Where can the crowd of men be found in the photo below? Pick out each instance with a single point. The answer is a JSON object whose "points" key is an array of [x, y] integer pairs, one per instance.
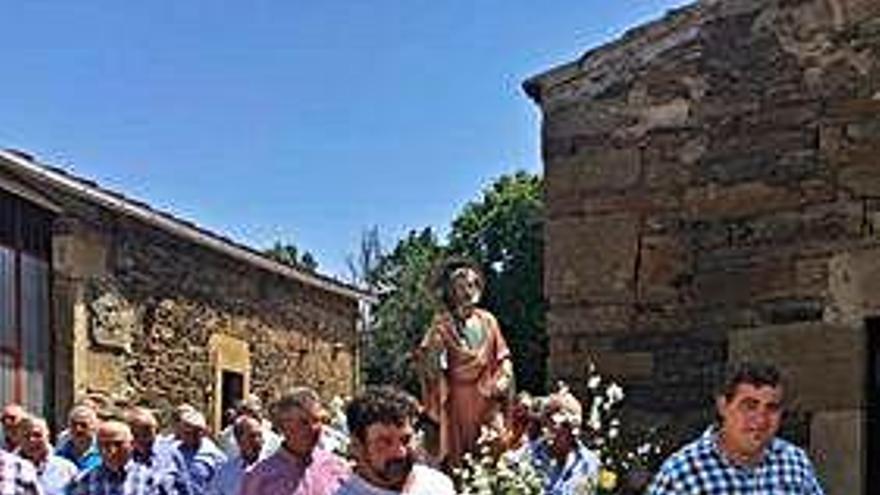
{"points": [[297, 453], [124, 453]]}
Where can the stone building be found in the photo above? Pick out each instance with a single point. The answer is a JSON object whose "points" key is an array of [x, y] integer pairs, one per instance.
{"points": [[101, 294], [713, 194]]}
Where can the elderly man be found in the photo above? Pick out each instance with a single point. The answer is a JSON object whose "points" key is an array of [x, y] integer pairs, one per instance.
{"points": [[161, 457], [17, 476], [201, 455], [569, 467], [381, 423], [248, 432], [741, 453], [250, 406], [80, 447], [54, 472], [10, 418], [297, 468], [117, 474]]}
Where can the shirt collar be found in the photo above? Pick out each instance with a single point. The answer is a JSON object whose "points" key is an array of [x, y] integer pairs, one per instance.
{"points": [[712, 439], [116, 476], [290, 457]]}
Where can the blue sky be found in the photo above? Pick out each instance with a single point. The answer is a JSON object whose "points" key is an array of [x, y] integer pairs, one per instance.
{"points": [[292, 120]]}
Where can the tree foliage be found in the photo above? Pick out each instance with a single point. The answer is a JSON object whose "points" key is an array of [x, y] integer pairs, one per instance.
{"points": [[502, 231], [405, 309], [289, 254]]}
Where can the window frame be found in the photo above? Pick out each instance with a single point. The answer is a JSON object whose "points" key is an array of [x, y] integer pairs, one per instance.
{"points": [[26, 229]]}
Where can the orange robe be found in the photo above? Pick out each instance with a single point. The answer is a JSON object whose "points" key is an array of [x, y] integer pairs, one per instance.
{"points": [[463, 397]]}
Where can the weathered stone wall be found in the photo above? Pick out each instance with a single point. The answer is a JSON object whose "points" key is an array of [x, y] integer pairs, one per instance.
{"points": [[138, 312], [705, 174], [297, 334]]}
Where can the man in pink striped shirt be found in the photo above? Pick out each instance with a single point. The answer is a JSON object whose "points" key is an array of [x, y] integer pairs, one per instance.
{"points": [[297, 467]]}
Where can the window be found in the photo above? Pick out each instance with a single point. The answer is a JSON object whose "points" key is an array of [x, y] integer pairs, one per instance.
{"points": [[25, 273]]}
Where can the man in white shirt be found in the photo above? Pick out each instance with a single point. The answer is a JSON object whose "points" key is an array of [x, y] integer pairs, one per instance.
{"points": [[251, 406], [55, 472], [249, 441], [380, 421]]}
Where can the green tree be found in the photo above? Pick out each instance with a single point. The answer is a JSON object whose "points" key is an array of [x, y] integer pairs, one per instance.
{"points": [[289, 254], [405, 309], [503, 232]]}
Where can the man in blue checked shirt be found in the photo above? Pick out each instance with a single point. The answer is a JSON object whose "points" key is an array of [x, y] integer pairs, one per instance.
{"points": [[118, 474], [159, 455], [741, 453]]}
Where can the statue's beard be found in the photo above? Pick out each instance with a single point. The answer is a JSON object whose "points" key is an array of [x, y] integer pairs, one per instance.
{"points": [[395, 472]]}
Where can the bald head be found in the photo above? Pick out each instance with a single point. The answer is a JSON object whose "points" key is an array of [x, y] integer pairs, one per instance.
{"points": [[10, 418], [249, 436], [144, 427], [35, 444], [12, 412], [115, 443]]}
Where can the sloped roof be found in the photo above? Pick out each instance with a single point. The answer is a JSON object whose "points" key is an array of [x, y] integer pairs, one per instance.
{"points": [[22, 164]]}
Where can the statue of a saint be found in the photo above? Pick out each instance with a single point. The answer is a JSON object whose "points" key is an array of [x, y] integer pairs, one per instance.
{"points": [[465, 364]]}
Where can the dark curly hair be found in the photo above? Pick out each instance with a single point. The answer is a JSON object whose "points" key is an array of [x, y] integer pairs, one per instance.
{"points": [[383, 404], [753, 373]]}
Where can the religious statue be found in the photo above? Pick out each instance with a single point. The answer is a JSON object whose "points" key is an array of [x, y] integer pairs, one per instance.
{"points": [[464, 363]]}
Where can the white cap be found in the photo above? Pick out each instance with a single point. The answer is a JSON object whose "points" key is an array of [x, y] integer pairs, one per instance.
{"points": [[194, 418]]}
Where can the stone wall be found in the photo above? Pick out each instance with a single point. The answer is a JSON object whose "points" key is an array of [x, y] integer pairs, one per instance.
{"points": [[139, 312], [705, 175]]}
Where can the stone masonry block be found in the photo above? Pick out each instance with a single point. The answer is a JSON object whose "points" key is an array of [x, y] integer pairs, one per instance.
{"points": [[590, 258], [565, 321], [823, 364], [626, 366], [836, 445], [745, 199], [598, 169], [665, 264], [854, 286]]}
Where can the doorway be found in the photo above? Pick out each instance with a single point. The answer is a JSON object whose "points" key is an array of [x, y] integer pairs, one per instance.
{"points": [[872, 406], [231, 393]]}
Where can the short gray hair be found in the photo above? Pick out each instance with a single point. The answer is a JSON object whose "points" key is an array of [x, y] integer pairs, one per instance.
{"points": [[295, 398]]}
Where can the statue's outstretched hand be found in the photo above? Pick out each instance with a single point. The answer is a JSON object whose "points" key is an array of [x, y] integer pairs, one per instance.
{"points": [[504, 380]]}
